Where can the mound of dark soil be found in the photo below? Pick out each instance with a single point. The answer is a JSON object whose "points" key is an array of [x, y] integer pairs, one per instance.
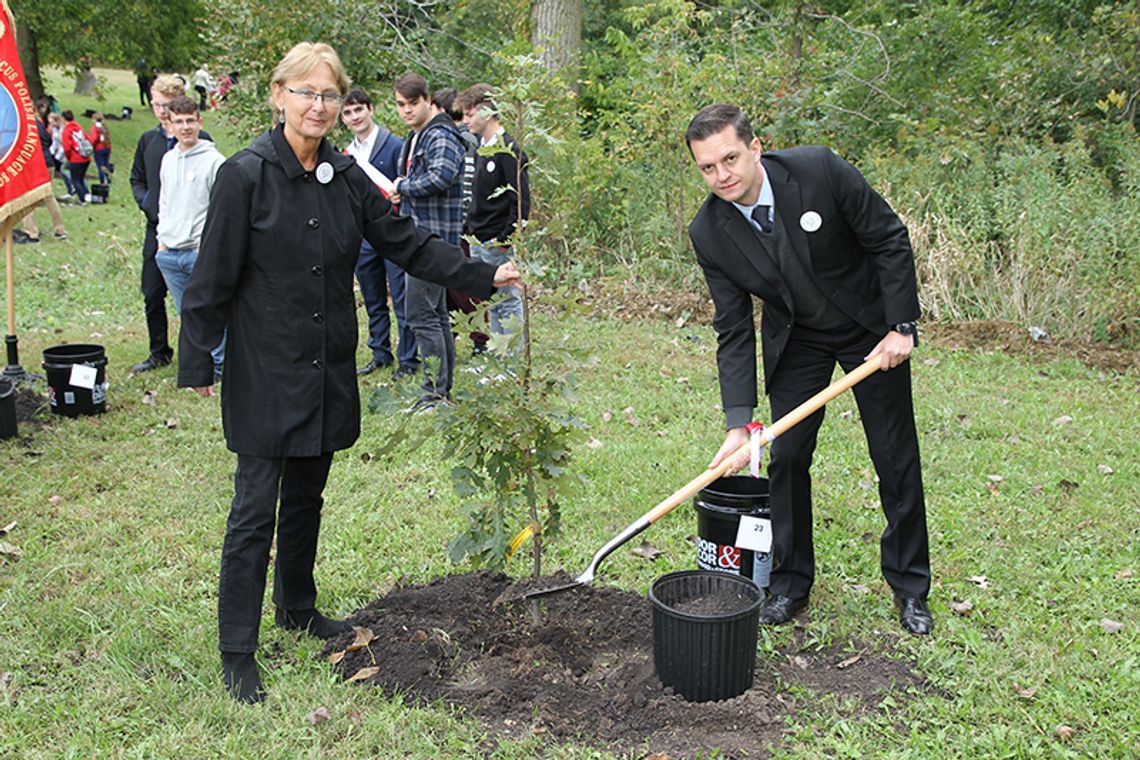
{"points": [[585, 674]]}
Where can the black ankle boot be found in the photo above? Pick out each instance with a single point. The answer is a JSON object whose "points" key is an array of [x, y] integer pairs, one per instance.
{"points": [[310, 621], [239, 672]]}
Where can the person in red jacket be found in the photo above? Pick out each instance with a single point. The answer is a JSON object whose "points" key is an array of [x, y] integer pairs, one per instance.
{"points": [[101, 140], [77, 163]]}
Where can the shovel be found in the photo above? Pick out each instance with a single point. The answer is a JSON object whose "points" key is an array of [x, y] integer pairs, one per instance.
{"points": [[785, 423]]}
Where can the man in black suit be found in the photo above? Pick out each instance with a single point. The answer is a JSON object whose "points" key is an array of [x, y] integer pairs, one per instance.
{"points": [[803, 230]]}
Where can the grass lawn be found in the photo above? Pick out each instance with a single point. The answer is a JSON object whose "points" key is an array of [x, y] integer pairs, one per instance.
{"points": [[108, 619]]}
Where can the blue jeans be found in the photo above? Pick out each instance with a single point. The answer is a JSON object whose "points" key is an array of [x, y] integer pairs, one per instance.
{"points": [[78, 172], [508, 304], [176, 264], [103, 163], [378, 277]]}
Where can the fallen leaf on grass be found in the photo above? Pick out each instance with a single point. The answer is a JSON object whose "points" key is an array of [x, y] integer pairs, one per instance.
{"points": [[1065, 732], [356, 715], [1104, 469], [420, 636], [8, 528], [962, 608], [364, 637], [1123, 574], [1111, 626], [318, 716], [849, 661], [1064, 419], [679, 322], [931, 362], [658, 756], [364, 674], [594, 443], [607, 416], [150, 398], [682, 380], [8, 688], [800, 662], [1068, 486], [859, 588], [540, 730], [630, 418], [1037, 490], [847, 415], [1023, 692], [7, 551], [647, 550], [55, 500], [980, 581], [336, 657]]}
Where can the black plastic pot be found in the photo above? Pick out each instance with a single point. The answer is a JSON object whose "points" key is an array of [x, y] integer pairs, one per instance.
{"points": [[704, 633], [8, 426]]}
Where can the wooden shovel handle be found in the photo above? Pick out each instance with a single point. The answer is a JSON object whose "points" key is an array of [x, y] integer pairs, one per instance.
{"points": [[779, 427]]}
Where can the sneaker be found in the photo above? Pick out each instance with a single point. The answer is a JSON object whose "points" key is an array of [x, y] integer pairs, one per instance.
{"points": [[59, 235], [19, 237]]}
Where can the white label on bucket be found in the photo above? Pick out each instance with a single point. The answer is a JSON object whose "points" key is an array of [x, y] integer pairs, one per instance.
{"points": [[754, 533], [83, 376]]}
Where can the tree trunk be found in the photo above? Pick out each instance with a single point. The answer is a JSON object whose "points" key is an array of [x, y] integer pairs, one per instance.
{"points": [[556, 27], [30, 58]]}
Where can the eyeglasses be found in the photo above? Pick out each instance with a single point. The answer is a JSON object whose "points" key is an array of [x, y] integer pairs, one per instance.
{"points": [[334, 99]]}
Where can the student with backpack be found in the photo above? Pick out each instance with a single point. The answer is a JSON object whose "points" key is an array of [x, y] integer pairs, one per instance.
{"points": [[101, 141], [77, 148]]}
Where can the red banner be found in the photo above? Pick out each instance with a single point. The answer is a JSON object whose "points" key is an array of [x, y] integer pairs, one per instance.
{"points": [[24, 178]]}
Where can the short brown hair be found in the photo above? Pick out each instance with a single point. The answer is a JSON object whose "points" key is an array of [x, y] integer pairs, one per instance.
{"points": [[168, 86], [711, 120], [477, 95], [444, 100], [412, 86], [183, 105]]}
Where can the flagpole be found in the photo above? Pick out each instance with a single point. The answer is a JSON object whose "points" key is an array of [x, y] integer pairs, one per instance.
{"points": [[13, 369]]}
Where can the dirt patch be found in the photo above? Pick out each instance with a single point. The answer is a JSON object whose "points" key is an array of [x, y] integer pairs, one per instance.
{"points": [[585, 675]]}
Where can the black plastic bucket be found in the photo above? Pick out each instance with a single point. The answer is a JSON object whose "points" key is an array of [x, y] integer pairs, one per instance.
{"points": [[719, 507], [73, 400], [7, 408], [704, 633]]}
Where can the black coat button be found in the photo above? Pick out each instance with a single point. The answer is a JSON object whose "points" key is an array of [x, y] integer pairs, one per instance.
{"points": [[314, 223], [317, 364], [317, 271], [308, 176], [318, 317]]}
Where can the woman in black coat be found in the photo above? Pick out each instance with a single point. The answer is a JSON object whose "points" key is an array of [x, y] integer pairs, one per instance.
{"points": [[276, 264]]}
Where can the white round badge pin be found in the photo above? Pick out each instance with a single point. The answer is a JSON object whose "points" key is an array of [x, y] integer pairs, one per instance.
{"points": [[491, 165], [324, 173], [810, 221]]}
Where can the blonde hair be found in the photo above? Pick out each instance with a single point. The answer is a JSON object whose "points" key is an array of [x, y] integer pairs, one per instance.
{"points": [[168, 86], [303, 58]]}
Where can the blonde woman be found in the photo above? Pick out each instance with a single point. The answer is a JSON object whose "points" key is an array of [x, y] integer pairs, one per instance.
{"points": [[286, 220]]}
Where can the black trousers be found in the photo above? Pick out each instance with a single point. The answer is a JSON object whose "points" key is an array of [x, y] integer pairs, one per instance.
{"points": [[259, 483], [886, 408], [154, 298]]}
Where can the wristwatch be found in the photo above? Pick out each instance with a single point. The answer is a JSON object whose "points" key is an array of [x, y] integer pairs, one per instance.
{"points": [[907, 328]]}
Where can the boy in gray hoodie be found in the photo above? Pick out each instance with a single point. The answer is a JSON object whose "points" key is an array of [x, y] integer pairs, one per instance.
{"points": [[187, 179]]}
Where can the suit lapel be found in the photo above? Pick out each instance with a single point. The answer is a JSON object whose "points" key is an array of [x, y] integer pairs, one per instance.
{"points": [[789, 209], [740, 232]]}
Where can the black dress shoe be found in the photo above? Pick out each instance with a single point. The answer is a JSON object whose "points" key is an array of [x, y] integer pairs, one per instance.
{"points": [[151, 362], [310, 621], [779, 609], [915, 615], [372, 366], [405, 370]]}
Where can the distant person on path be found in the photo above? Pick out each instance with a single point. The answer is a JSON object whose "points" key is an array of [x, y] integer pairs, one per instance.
{"points": [[30, 228], [279, 251], [78, 150], [142, 77], [203, 84], [101, 141], [145, 184], [494, 215], [187, 180], [375, 146], [430, 187], [803, 230]]}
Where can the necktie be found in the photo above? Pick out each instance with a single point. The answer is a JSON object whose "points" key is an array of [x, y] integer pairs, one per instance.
{"points": [[761, 215]]}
